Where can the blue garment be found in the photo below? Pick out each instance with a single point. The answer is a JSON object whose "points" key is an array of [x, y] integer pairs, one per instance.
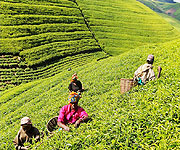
{"points": [[140, 82], [59, 129]]}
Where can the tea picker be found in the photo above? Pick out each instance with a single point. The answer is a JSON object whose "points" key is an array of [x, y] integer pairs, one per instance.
{"points": [[142, 75], [145, 72], [72, 113], [26, 133], [75, 85]]}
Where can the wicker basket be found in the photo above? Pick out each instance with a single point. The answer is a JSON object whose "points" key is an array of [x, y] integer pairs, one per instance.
{"points": [[52, 124], [126, 85]]}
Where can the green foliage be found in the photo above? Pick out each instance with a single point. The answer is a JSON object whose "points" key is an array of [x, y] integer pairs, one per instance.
{"points": [[147, 117], [34, 29], [41, 31], [7, 20], [17, 8], [64, 3], [15, 45], [163, 7], [125, 24], [144, 118], [174, 22], [28, 30], [59, 49], [14, 76]]}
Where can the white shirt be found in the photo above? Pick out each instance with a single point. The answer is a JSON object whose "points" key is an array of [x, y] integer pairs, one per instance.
{"points": [[145, 72]]}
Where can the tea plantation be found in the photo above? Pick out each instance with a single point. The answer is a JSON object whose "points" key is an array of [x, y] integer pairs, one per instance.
{"points": [[41, 38], [147, 117], [43, 42], [123, 25], [174, 22]]}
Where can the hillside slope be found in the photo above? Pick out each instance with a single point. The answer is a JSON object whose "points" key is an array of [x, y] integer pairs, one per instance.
{"points": [[41, 38], [123, 25], [43, 31], [172, 9], [146, 117], [174, 22]]}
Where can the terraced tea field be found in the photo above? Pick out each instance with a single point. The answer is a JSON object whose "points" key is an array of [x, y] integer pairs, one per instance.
{"points": [[36, 35], [147, 117], [174, 22], [42, 38], [14, 72], [40, 32], [43, 42], [123, 25]]}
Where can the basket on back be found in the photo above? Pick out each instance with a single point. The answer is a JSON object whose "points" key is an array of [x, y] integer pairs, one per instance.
{"points": [[126, 85], [52, 124]]}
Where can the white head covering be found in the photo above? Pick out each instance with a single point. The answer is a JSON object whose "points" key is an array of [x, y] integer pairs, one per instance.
{"points": [[25, 120], [150, 58]]}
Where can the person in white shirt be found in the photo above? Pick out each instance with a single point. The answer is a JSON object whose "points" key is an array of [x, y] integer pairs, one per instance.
{"points": [[145, 72]]}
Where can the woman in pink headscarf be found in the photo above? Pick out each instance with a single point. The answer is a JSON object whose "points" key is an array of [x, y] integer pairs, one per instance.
{"points": [[72, 113]]}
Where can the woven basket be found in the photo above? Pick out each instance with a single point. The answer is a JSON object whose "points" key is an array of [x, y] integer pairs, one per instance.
{"points": [[52, 124], [126, 85]]}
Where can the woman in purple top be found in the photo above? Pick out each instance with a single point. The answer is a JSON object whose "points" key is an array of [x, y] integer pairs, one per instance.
{"points": [[72, 113]]}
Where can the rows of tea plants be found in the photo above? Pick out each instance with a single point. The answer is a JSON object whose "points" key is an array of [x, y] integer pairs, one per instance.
{"points": [[58, 49], [41, 31], [62, 3], [15, 45], [48, 35], [147, 117], [14, 75], [27, 30], [26, 9], [174, 22], [121, 21], [7, 63], [8, 20], [28, 25], [159, 6]]}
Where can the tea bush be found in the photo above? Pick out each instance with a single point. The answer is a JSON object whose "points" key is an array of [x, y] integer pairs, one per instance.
{"points": [[147, 117], [14, 76], [21, 31], [62, 3], [29, 24], [121, 22], [43, 34]]}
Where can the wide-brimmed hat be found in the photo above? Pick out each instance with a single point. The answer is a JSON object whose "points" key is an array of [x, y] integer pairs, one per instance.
{"points": [[25, 120], [73, 97], [150, 58]]}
